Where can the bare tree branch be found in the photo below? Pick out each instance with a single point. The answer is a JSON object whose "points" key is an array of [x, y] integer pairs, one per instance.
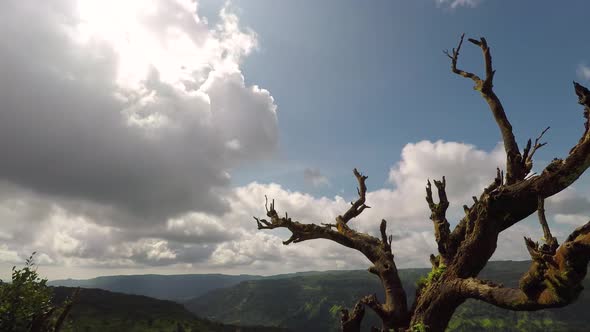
{"points": [[454, 56], [527, 155], [514, 171], [438, 216], [552, 280], [550, 240], [386, 240], [302, 232], [583, 99], [558, 175], [359, 205], [372, 302], [351, 321], [394, 311]]}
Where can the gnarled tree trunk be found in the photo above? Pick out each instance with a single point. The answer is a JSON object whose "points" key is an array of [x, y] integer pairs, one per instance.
{"points": [[555, 275]]}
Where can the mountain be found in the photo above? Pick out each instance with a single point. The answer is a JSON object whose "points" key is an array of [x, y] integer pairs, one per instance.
{"points": [[179, 287], [165, 287], [311, 302], [301, 303], [97, 310]]}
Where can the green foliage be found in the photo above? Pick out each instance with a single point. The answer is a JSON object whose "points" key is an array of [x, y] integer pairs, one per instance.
{"points": [[419, 327], [421, 282], [433, 275], [23, 299], [335, 310]]}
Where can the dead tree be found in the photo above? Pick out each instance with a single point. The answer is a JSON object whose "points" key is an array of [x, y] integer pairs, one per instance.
{"points": [[555, 276]]}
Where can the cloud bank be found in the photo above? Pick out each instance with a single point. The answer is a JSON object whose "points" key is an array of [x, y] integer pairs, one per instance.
{"points": [[117, 150], [118, 118], [149, 135]]}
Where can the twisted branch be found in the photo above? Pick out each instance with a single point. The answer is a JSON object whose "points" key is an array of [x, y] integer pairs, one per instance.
{"points": [[558, 175], [552, 281], [514, 171], [394, 311], [302, 232]]}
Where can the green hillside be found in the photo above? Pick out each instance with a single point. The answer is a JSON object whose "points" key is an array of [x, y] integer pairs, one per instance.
{"points": [[165, 287], [300, 303], [307, 301], [175, 287], [310, 302], [98, 310]]}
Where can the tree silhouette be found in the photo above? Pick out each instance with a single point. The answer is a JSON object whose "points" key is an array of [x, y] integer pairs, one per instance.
{"points": [[556, 272]]}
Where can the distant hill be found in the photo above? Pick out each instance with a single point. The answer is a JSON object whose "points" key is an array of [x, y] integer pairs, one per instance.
{"points": [[301, 303], [98, 310], [179, 287], [310, 302], [165, 287]]}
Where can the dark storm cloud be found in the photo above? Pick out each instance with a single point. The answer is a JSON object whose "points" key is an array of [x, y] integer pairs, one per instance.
{"points": [[65, 133]]}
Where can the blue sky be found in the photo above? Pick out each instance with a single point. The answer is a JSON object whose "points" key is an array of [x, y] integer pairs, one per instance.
{"points": [[142, 136], [355, 81]]}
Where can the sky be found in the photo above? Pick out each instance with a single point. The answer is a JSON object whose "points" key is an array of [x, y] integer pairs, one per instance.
{"points": [[141, 136]]}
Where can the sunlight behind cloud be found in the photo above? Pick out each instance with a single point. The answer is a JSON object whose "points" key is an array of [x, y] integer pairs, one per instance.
{"points": [[181, 53], [117, 23], [141, 114]]}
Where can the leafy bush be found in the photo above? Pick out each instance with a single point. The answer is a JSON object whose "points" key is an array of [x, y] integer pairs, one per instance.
{"points": [[25, 302]]}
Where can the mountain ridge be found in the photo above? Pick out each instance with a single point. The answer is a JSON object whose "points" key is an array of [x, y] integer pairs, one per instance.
{"points": [[183, 287], [311, 303], [98, 310]]}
